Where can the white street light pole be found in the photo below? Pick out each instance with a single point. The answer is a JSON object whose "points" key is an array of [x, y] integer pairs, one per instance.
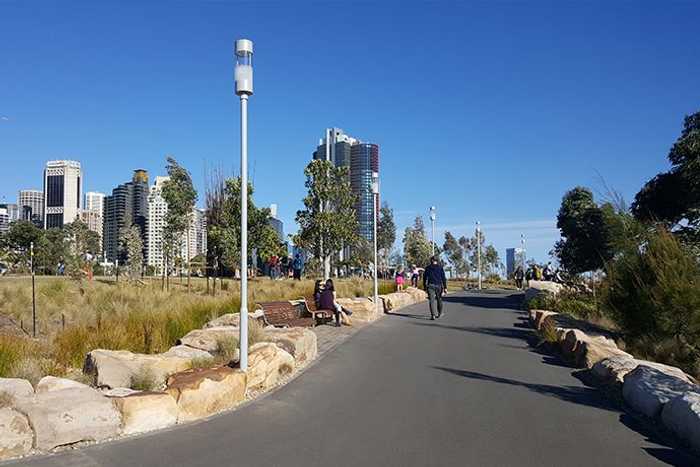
{"points": [[522, 250], [375, 199], [478, 250], [243, 77], [432, 220]]}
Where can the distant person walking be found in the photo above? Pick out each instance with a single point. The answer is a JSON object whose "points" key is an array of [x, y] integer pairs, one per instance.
{"points": [[519, 275], [399, 280], [415, 274], [435, 283], [297, 266]]}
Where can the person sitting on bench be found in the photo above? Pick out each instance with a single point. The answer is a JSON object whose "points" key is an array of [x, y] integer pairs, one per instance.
{"points": [[327, 301]]}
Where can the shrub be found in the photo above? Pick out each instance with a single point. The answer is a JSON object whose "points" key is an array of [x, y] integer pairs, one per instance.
{"points": [[653, 293]]}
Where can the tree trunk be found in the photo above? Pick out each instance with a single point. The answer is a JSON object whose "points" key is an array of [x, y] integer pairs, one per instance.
{"points": [[188, 259]]}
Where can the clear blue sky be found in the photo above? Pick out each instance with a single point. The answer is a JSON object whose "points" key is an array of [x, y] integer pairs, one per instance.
{"points": [[489, 110]]}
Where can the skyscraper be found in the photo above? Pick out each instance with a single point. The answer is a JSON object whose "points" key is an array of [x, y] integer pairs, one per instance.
{"points": [[94, 201], [200, 226], [31, 206], [157, 209], [126, 206], [62, 193], [362, 159]]}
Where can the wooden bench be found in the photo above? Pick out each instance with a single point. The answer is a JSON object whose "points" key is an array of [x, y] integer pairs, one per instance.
{"points": [[318, 315]]}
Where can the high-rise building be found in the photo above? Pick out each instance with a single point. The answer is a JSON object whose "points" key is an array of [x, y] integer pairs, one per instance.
{"points": [[200, 223], [157, 209], [514, 258], [62, 193], [4, 218], [94, 201], [362, 159], [276, 223], [126, 206], [31, 206]]}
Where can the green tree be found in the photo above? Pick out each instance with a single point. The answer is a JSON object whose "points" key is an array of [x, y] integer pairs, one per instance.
{"points": [[454, 251], [181, 197], [674, 196], [132, 248], [83, 245], [386, 233], [53, 249], [224, 233], [416, 246], [17, 240], [328, 222], [587, 239]]}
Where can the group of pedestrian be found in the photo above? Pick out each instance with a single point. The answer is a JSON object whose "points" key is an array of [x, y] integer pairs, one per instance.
{"points": [[434, 283], [413, 275], [537, 273], [284, 267], [325, 298]]}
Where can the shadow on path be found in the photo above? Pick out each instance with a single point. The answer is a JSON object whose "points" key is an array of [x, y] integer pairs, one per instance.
{"points": [[407, 315], [576, 395], [504, 302]]}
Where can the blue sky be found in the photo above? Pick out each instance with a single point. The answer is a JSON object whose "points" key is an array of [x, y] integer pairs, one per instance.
{"points": [[489, 110]]}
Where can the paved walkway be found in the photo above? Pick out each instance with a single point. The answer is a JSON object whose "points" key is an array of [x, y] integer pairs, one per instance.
{"points": [[466, 390]]}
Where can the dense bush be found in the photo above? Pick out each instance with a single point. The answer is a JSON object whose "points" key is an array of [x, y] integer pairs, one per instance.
{"points": [[653, 292], [578, 304]]}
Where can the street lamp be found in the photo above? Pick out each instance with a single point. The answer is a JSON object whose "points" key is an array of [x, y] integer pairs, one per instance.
{"points": [[432, 221], [522, 250], [375, 201], [478, 250], [243, 77]]}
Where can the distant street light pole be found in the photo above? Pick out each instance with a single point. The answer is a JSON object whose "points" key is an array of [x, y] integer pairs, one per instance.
{"points": [[522, 250], [375, 199], [432, 239], [31, 265], [478, 250], [243, 76]]}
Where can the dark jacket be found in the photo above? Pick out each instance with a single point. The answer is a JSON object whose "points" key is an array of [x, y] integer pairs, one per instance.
{"points": [[326, 300], [434, 275]]}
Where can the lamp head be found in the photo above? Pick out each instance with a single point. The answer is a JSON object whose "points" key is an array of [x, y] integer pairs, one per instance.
{"points": [[243, 72]]}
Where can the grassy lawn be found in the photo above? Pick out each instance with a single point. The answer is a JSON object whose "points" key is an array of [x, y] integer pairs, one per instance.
{"points": [[74, 318]]}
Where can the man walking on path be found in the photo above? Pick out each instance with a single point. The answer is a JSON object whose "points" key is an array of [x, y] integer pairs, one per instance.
{"points": [[435, 283]]}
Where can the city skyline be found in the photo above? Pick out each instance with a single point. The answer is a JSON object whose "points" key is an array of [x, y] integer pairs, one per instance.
{"points": [[512, 117]]}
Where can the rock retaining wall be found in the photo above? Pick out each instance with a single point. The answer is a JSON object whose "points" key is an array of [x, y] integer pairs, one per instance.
{"points": [[62, 412], [661, 392]]}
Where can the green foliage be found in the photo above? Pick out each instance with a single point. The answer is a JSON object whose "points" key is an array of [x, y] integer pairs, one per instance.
{"points": [[144, 380], [328, 222], [587, 237], [416, 246], [132, 248], [455, 254], [673, 196], [386, 232], [653, 292], [224, 229], [179, 193]]}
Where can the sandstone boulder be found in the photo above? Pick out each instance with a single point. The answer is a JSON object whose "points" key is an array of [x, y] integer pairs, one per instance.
{"points": [[539, 287], [418, 295], [612, 370], [203, 392], [363, 309], [145, 411], [396, 300], [541, 316], [208, 339], [15, 387], [300, 343], [267, 363], [52, 383], [593, 350], [234, 319], [648, 389], [16, 436], [119, 368], [68, 416], [681, 415]]}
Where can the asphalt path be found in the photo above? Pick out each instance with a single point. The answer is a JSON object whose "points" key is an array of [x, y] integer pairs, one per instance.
{"points": [[465, 390]]}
